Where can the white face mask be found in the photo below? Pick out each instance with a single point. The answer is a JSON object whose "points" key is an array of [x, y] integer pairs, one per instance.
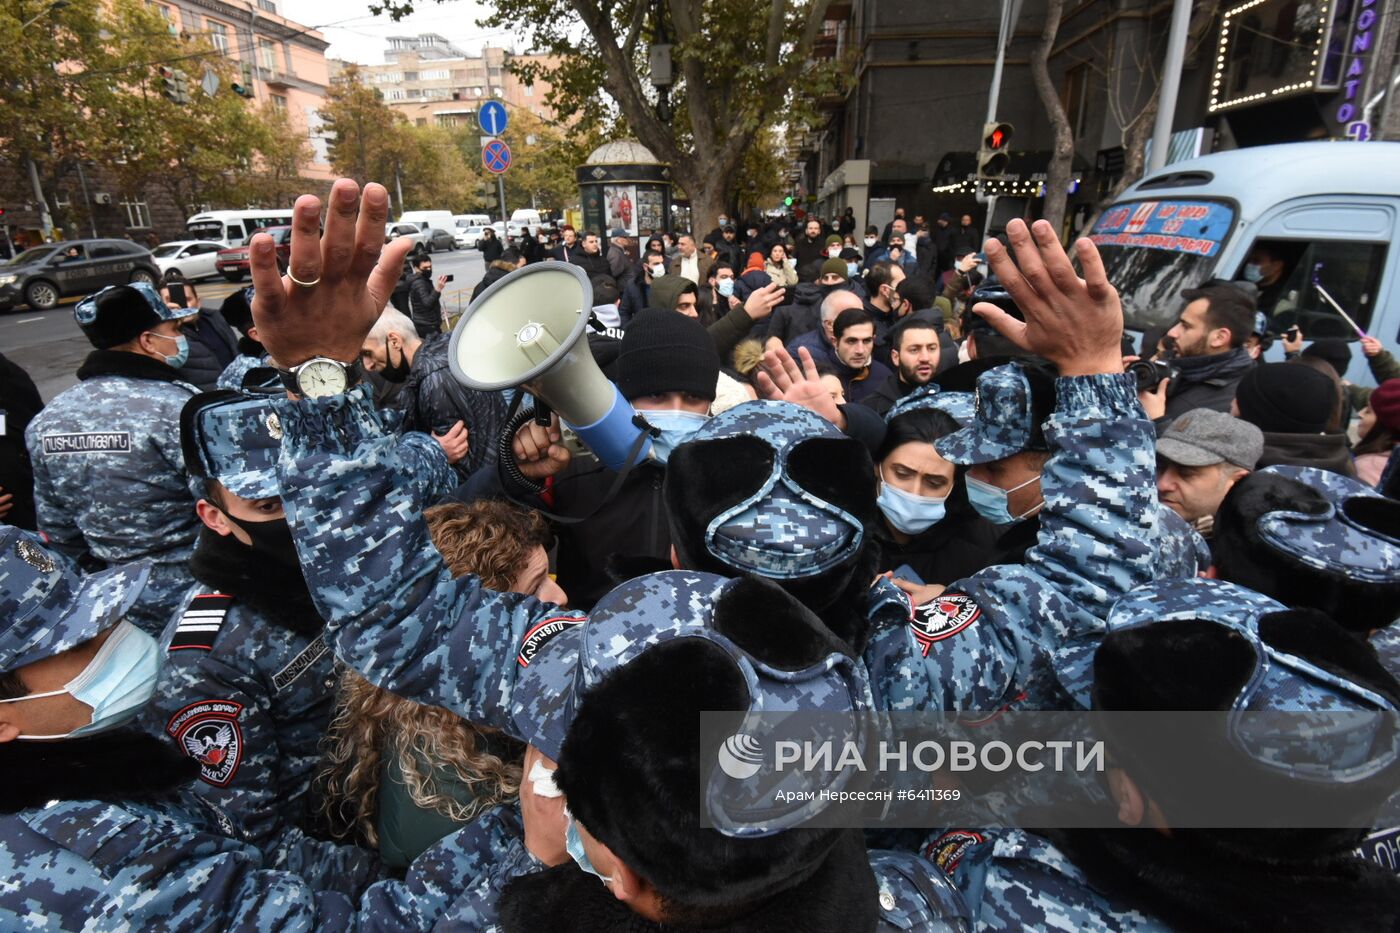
{"points": [[870, 241], [116, 683]]}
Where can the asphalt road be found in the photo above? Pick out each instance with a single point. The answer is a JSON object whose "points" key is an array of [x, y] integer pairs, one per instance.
{"points": [[50, 347]]}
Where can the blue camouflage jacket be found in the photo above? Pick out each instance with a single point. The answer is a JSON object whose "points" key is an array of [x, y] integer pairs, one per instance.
{"points": [[978, 645], [171, 864], [109, 475], [1013, 880], [250, 701]]}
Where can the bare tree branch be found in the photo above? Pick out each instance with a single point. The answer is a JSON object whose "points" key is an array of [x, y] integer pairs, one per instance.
{"points": [[639, 15], [1062, 156]]}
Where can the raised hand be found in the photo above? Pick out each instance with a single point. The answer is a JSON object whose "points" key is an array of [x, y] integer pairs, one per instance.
{"points": [[539, 451], [347, 275], [783, 380], [761, 303], [1075, 323]]}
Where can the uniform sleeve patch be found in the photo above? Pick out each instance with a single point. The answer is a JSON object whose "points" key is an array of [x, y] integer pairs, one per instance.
{"points": [[104, 442], [942, 617], [199, 626], [948, 849], [208, 732], [537, 637]]}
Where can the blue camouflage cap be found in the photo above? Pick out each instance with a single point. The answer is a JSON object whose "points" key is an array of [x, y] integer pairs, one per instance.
{"points": [[660, 608], [233, 438], [784, 529], [85, 312], [1003, 422], [960, 406], [1356, 536], [47, 607], [1334, 748]]}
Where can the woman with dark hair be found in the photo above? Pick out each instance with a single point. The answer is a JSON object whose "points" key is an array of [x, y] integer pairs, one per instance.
{"points": [[1379, 431], [654, 247], [398, 776], [927, 523]]}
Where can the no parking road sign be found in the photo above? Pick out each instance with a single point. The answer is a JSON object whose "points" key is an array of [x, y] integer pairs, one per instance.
{"points": [[495, 155]]}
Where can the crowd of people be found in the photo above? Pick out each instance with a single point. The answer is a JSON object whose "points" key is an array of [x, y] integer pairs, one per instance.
{"points": [[324, 638]]}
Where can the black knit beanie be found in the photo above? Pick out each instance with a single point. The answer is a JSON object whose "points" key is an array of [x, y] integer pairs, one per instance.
{"points": [[1285, 398], [666, 351]]}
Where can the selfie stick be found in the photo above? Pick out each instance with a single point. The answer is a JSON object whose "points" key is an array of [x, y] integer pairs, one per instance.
{"points": [[1317, 284]]}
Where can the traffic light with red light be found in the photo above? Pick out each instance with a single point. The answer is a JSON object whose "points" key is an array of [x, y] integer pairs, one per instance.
{"points": [[994, 155]]}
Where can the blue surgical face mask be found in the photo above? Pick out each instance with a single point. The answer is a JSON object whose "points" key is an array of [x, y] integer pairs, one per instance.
{"points": [[1253, 272], [676, 428], [182, 350], [573, 844], [907, 512], [116, 683], [992, 502], [725, 287], [851, 269]]}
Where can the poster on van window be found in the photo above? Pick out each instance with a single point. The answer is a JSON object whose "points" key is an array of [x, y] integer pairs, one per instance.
{"points": [[621, 207], [1195, 227]]}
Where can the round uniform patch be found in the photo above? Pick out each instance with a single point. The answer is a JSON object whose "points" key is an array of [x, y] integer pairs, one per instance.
{"points": [[941, 618], [537, 637], [208, 732], [948, 849]]}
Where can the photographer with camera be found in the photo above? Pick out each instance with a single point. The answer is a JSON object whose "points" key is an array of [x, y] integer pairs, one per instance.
{"points": [[1210, 358]]}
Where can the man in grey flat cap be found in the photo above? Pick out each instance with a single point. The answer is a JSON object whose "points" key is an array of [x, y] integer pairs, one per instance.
{"points": [[1202, 455]]}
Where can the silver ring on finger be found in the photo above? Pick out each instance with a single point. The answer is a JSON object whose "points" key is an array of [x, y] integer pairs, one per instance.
{"points": [[297, 281]]}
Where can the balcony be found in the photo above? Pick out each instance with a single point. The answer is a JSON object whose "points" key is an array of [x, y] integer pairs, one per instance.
{"points": [[824, 46], [274, 78]]}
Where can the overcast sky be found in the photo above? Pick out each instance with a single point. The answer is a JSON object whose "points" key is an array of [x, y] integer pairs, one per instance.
{"points": [[358, 36]]}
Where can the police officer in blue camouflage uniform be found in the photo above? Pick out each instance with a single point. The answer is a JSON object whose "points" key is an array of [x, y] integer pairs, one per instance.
{"points": [[247, 683], [1261, 657], [109, 480], [99, 828]]}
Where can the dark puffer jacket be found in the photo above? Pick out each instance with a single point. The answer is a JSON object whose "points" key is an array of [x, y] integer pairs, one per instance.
{"points": [[432, 400]]}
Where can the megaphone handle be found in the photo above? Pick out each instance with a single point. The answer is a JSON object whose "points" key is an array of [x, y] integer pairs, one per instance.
{"points": [[543, 413]]}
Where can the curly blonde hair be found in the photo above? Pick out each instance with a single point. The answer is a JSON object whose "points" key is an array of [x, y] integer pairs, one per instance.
{"points": [[494, 541]]}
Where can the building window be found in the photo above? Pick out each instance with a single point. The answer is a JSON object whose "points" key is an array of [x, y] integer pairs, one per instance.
{"points": [[410, 76], [394, 94], [267, 55], [389, 77], [279, 101], [267, 6], [218, 36], [529, 90], [138, 213], [439, 74]]}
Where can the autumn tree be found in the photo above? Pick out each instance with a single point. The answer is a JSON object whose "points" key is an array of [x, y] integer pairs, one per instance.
{"points": [[45, 109], [738, 67]]}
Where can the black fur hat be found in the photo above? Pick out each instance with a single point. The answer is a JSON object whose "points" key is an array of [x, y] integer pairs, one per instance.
{"points": [[630, 763], [1245, 553]]}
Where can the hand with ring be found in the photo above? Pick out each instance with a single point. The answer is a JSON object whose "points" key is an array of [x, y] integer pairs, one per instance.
{"points": [[337, 282]]}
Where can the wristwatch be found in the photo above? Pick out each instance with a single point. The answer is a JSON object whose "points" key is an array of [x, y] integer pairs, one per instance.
{"points": [[320, 376]]}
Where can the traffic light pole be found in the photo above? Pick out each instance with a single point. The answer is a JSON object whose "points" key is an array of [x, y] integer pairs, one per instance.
{"points": [[1171, 83], [1010, 12], [45, 218], [501, 193]]}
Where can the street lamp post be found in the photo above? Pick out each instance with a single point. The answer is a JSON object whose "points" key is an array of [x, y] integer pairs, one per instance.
{"points": [[45, 219]]}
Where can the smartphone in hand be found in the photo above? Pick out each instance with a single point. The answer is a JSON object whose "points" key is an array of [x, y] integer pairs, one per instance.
{"points": [[451, 277]]}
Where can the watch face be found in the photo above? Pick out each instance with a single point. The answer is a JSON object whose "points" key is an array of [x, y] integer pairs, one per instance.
{"points": [[320, 378]]}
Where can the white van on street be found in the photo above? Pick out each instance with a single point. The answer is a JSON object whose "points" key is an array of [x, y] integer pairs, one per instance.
{"points": [[427, 220], [1326, 213]]}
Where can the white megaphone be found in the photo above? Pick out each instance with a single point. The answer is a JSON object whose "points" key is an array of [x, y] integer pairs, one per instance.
{"points": [[527, 330]]}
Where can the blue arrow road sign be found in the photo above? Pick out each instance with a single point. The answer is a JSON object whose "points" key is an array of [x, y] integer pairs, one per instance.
{"points": [[492, 118], [495, 155]]}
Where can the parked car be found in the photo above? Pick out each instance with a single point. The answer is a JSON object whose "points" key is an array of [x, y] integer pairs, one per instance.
{"points": [[400, 230], [193, 259], [440, 239], [40, 276], [232, 263], [468, 237]]}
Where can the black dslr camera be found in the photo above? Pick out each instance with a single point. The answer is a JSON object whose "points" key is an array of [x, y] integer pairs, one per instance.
{"points": [[1148, 374]]}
